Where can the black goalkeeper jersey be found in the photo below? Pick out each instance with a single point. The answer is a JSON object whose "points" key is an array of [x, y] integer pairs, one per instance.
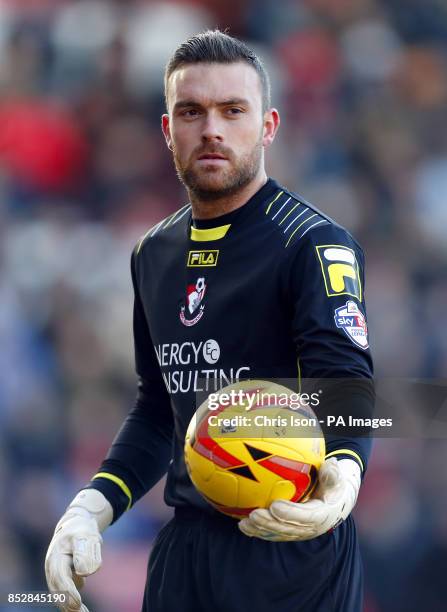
{"points": [[272, 290]]}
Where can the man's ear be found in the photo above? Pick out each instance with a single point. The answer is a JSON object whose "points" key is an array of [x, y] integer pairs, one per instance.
{"points": [[271, 125], [166, 130]]}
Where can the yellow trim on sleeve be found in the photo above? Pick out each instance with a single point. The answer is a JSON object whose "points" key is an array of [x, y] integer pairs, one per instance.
{"points": [[122, 485], [272, 202], [347, 451], [212, 233]]}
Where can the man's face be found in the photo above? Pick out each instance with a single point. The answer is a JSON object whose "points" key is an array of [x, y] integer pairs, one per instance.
{"points": [[215, 127]]}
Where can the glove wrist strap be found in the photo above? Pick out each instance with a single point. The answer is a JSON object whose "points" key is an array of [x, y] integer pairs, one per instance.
{"points": [[92, 503]]}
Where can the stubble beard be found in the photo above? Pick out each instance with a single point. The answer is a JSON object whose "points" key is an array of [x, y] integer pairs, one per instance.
{"points": [[208, 184]]}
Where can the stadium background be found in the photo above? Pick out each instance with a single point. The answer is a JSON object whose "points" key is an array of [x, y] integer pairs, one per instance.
{"points": [[362, 88]]}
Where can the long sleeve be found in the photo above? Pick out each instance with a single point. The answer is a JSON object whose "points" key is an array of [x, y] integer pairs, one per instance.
{"points": [[326, 282], [142, 449]]}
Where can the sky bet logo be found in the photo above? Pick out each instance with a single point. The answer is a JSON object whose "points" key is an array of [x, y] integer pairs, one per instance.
{"points": [[202, 259], [352, 321]]}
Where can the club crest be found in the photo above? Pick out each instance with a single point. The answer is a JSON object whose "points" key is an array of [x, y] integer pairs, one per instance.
{"points": [[193, 307]]}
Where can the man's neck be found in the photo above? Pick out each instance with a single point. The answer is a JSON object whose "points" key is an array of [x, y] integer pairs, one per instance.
{"points": [[221, 206]]}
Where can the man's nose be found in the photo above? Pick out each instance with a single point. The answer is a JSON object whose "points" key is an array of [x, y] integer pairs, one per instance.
{"points": [[212, 128]]}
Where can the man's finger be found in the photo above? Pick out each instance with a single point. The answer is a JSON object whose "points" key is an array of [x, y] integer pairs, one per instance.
{"points": [[78, 580], [86, 555], [59, 574], [329, 475], [59, 578], [263, 519], [306, 514], [250, 530]]}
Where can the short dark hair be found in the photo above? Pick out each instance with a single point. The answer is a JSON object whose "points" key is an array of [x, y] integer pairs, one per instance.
{"points": [[215, 46]]}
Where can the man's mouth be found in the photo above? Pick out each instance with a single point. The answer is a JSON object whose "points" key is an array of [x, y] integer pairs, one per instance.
{"points": [[212, 156]]}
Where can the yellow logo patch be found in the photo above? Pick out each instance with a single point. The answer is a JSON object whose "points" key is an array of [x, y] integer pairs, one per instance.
{"points": [[340, 270], [202, 259]]}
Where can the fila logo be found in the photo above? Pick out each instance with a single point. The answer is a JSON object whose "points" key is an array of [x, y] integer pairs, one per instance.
{"points": [[340, 270], [202, 259]]}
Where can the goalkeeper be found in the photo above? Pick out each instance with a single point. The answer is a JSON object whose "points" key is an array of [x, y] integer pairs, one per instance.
{"points": [[245, 281]]}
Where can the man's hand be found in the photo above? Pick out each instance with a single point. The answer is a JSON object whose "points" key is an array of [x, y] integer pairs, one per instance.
{"points": [[334, 498], [75, 550]]}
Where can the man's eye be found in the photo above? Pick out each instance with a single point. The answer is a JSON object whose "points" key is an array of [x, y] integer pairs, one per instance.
{"points": [[234, 111], [191, 112]]}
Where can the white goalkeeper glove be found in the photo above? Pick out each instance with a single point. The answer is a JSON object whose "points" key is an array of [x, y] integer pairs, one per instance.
{"points": [[332, 502], [75, 550]]}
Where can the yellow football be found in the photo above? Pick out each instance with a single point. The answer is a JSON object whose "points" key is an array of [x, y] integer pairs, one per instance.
{"points": [[251, 443]]}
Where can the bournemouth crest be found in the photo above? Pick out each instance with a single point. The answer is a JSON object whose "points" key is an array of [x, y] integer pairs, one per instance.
{"points": [[192, 312], [352, 321]]}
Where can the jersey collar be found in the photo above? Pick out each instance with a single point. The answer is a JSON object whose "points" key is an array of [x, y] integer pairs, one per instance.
{"points": [[208, 230]]}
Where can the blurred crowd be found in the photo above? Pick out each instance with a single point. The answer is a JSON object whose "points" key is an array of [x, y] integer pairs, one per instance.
{"points": [[362, 90]]}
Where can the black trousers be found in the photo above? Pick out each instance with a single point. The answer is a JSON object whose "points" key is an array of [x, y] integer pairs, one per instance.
{"points": [[202, 563]]}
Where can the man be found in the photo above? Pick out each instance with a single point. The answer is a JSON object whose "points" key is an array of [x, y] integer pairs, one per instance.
{"points": [[246, 281]]}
